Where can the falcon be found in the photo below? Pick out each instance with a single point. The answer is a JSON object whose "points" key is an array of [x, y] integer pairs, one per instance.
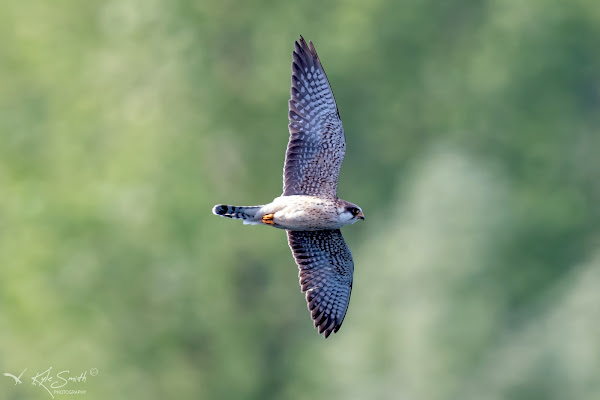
{"points": [[309, 209]]}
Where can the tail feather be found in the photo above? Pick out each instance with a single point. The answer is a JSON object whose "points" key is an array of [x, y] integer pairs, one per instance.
{"points": [[247, 213]]}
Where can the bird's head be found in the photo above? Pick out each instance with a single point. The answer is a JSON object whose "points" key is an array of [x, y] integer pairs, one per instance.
{"points": [[349, 213]]}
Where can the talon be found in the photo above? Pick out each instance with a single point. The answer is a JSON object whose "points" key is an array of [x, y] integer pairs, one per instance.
{"points": [[268, 219]]}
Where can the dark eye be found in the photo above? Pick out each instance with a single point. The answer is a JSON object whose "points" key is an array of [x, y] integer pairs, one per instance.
{"points": [[354, 211]]}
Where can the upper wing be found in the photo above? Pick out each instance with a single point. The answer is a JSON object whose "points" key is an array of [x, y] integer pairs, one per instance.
{"points": [[317, 145], [326, 269]]}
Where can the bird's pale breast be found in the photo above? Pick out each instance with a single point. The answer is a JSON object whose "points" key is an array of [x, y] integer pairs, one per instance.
{"points": [[303, 213]]}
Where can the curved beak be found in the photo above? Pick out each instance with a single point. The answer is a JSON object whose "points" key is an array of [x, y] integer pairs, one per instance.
{"points": [[361, 216]]}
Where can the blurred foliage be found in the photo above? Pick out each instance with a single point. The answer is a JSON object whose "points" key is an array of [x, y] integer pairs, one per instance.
{"points": [[473, 130]]}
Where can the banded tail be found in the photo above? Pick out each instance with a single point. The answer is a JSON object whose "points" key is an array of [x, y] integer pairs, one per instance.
{"points": [[247, 213]]}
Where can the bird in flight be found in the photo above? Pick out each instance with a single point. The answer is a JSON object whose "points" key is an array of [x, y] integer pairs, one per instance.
{"points": [[309, 209]]}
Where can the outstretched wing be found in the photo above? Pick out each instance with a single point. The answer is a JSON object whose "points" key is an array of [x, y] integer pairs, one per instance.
{"points": [[326, 269], [317, 145]]}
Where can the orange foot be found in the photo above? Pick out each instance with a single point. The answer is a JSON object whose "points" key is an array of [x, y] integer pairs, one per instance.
{"points": [[268, 219]]}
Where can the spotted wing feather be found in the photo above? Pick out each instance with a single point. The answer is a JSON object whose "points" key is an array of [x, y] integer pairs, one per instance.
{"points": [[326, 270], [317, 145]]}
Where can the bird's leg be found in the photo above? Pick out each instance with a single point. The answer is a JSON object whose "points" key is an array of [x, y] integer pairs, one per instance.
{"points": [[268, 219]]}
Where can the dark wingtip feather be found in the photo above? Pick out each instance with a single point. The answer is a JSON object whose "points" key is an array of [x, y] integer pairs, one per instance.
{"points": [[302, 42], [330, 328], [303, 50]]}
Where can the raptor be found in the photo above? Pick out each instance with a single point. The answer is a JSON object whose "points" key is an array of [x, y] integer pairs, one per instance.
{"points": [[309, 209]]}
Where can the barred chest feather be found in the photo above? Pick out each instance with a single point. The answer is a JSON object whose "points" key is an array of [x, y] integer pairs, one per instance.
{"points": [[304, 213]]}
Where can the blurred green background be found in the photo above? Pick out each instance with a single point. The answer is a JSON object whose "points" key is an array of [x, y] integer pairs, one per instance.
{"points": [[473, 132]]}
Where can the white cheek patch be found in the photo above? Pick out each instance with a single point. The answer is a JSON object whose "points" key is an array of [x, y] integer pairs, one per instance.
{"points": [[346, 216]]}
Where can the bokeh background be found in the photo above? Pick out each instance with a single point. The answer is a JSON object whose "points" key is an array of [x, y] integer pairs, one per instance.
{"points": [[473, 133]]}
